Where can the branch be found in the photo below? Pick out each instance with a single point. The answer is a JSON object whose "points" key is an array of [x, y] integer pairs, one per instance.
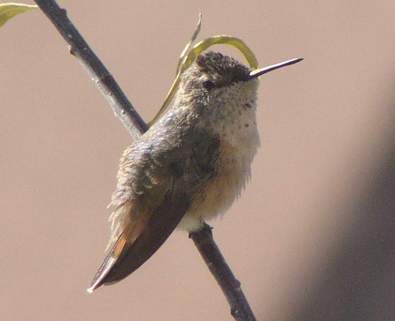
{"points": [[136, 126], [231, 287], [105, 82]]}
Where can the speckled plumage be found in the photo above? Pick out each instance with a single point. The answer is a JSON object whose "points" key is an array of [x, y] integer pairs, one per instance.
{"points": [[188, 167]]}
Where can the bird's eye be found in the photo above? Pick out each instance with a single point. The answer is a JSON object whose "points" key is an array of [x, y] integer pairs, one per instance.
{"points": [[208, 84]]}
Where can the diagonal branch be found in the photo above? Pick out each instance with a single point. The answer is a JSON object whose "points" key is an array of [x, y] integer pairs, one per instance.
{"points": [[136, 126], [231, 287], [105, 82]]}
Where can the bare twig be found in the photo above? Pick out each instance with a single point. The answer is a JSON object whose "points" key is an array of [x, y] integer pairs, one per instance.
{"points": [[231, 287], [136, 126], [105, 82]]}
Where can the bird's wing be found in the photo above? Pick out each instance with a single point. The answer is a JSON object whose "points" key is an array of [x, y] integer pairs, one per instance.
{"points": [[156, 184]]}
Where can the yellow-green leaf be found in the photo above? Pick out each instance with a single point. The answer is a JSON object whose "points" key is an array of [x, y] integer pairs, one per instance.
{"points": [[190, 54], [11, 9]]}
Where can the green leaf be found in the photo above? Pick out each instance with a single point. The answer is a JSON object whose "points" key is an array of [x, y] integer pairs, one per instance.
{"points": [[11, 9], [191, 52]]}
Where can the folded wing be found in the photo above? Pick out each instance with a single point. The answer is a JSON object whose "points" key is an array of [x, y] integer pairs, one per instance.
{"points": [[157, 181]]}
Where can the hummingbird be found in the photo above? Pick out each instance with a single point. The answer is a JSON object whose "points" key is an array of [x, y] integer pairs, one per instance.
{"points": [[189, 166]]}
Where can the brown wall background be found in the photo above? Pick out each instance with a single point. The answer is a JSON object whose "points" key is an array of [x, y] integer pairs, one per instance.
{"points": [[312, 237]]}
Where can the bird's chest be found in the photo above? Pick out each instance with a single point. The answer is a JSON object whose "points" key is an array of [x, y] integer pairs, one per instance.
{"points": [[238, 144], [237, 131], [239, 141]]}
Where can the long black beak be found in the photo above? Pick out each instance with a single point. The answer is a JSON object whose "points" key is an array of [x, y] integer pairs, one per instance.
{"points": [[259, 72]]}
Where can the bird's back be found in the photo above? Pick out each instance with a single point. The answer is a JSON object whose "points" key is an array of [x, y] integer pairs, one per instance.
{"points": [[158, 178]]}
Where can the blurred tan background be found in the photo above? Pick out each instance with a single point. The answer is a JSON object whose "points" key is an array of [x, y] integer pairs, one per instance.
{"points": [[312, 237]]}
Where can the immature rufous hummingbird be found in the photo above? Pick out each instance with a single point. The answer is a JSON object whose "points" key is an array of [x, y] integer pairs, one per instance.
{"points": [[189, 166]]}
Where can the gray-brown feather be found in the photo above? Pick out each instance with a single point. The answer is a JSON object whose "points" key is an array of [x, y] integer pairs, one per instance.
{"points": [[159, 177], [193, 161], [176, 148]]}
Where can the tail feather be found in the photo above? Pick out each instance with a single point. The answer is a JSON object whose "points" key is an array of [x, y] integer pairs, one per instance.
{"points": [[141, 239], [112, 256]]}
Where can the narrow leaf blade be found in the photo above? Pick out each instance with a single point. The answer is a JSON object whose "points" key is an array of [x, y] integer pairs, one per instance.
{"points": [[11, 9]]}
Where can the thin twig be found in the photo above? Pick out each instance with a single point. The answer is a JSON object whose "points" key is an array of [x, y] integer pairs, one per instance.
{"points": [[136, 126], [231, 287], [105, 82]]}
